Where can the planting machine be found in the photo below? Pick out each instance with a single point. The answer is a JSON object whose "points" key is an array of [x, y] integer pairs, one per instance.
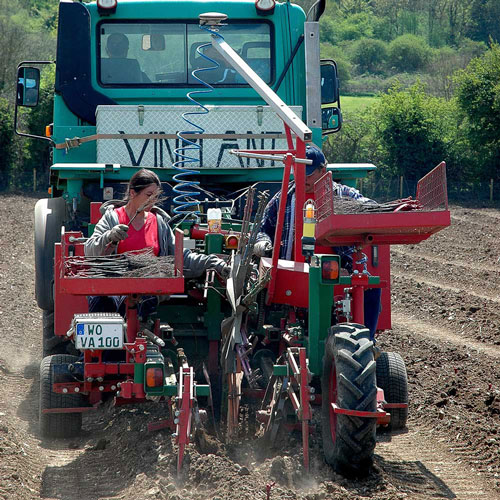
{"points": [[287, 332]]}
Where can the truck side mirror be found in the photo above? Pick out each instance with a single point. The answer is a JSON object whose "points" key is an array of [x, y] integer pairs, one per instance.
{"points": [[331, 120], [331, 115], [28, 86], [329, 82]]}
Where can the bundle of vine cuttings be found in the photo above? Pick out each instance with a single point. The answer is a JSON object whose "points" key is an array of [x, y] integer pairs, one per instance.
{"points": [[345, 205], [134, 264]]}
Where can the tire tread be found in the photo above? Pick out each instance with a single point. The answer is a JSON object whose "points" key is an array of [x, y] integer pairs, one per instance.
{"points": [[393, 379], [57, 425], [350, 348]]}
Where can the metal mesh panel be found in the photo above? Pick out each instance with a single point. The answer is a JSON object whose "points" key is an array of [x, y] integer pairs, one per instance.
{"points": [[431, 189], [168, 120], [324, 196]]}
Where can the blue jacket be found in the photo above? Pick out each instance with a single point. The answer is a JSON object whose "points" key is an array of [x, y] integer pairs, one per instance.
{"points": [[270, 221]]}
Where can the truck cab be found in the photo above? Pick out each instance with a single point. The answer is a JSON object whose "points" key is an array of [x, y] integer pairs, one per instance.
{"points": [[124, 86]]}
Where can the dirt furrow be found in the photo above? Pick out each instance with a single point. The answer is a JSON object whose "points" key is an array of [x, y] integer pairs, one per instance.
{"points": [[433, 332], [445, 327], [468, 315], [406, 255], [402, 275], [429, 471]]}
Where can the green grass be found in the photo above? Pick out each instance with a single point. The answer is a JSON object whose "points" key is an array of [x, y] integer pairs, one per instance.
{"points": [[354, 103]]}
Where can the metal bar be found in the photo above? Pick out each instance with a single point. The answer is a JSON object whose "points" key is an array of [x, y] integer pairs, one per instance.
{"points": [[185, 396], [395, 405], [358, 308], [299, 175], [289, 140], [358, 413], [256, 82], [179, 252], [305, 407], [313, 74], [279, 229], [294, 399], [76, 142], [121, 286], [132, 322], [293, 364], [304, 385], [69, 410], [246, 154], [289, 62]]}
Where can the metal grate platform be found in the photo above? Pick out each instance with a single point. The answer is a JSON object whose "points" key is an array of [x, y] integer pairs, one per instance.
{"points": [[389, 228]]}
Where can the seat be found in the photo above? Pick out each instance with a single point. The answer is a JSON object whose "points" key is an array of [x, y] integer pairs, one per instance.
{"points": [[196, 61], [261, 65], [120, 70], [254, 45]]}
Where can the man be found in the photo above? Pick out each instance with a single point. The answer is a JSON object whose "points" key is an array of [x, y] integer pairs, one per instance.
{"points": [[117, 45], [118, 68], [265, 238]]}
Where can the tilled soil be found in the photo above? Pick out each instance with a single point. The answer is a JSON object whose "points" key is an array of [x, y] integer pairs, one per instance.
{"points": [[446, 326]]}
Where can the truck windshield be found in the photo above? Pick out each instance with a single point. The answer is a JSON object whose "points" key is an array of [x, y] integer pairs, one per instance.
{"points": [[158, 54]]}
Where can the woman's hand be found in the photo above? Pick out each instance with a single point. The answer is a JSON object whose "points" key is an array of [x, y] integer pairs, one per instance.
{"points": [[118, 233]]}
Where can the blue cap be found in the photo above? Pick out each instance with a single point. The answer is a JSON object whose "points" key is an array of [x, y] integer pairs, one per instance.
{"points": [[317, 157]]}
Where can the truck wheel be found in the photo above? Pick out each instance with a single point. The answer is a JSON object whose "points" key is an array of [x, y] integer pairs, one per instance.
{"points": [[58, 425], [49, 218], [348, 380], [392, 378], [51, 344]]}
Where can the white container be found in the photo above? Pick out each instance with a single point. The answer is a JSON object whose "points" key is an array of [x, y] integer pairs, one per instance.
{"points": [[214, 216]]}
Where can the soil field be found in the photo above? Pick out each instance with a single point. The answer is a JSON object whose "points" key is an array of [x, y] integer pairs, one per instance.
{"points": [[446, 326]]}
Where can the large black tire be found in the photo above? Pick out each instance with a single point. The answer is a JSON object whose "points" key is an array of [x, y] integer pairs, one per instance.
{"points": [[51, 344], [58, 425], [348, 380], [393, 379], [49, 218]]}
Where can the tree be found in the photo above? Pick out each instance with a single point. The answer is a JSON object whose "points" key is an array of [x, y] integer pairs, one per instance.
{"points": [[36, 151], [414, 131], [356, 141], [409, 53], [478, 96], [355, 26], [6, 143], [344, 67], [369, 54], [23, 36], [485, 15]]}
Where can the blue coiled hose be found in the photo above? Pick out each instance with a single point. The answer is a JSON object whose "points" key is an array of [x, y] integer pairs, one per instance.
{"points": [[186, 187]]}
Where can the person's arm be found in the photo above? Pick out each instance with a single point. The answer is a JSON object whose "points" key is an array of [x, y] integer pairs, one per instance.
{"points": [[97, 244], [269, 220], [350, 192], [194, 264]]}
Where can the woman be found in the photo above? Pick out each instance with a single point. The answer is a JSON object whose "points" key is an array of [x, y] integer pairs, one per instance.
{"points": [[136, 225]]}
